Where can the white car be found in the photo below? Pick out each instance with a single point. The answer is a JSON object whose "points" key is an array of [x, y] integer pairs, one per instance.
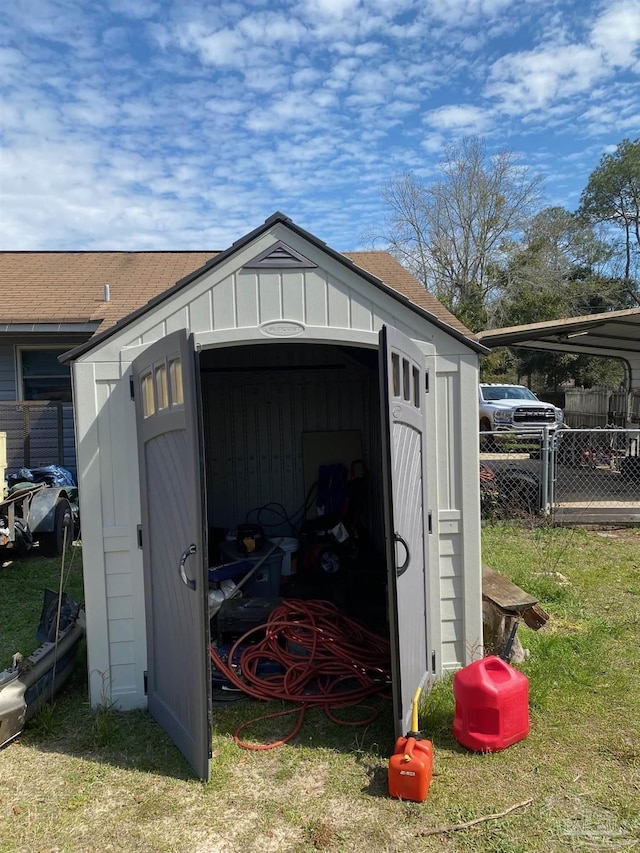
{"points": [[515, 409]]}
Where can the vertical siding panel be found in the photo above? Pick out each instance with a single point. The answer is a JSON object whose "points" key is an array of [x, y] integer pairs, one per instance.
{"points": [[200, 313], [95, 593], [155, 334], [7, 373], [293, 295], [270, 296], [247, 298], [447, 466], [317, 313], [177, 320], [464, 438], [224, 304], [361, 315], [338, 301], [105, 437]]}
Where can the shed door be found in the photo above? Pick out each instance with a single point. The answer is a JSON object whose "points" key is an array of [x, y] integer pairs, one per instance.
{"points": [[402, 377], [173, 541]]}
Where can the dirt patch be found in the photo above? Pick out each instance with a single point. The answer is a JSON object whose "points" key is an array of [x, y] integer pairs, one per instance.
{"points": [[620, 534]]}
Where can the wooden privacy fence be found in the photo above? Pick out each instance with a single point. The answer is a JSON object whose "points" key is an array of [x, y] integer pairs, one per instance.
{"points": [[600, 406], [38, 434]]}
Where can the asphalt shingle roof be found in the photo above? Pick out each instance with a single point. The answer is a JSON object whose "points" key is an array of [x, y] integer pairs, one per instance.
{"points": [[68, 287]]}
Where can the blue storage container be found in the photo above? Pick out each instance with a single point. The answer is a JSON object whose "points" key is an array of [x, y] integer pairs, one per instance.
{"points": [[265, 583], [229, 571]]}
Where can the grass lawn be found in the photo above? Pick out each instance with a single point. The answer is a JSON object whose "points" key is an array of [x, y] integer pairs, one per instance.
{"points": [[83, 780]]}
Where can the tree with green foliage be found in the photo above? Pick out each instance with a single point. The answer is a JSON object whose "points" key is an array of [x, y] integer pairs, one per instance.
{"points": [[559, 269], [612, 196]]}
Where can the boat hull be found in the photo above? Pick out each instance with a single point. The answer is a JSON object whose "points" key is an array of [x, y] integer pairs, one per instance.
{"points": [[36, 679]]}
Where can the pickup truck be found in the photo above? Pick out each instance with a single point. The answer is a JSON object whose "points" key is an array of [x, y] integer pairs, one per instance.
{"points": [[516, 410]]}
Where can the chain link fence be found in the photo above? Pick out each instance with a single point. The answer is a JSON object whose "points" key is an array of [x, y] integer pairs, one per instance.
{"points": [[573, 476]]}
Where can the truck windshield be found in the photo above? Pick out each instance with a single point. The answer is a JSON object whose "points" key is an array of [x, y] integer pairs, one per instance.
{"points": [[508, 392]]}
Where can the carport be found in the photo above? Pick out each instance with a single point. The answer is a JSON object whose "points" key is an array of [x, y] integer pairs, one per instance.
{"points": [[614, 334]]}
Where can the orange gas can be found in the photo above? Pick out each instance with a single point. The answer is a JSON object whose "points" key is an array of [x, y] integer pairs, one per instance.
{"points": [[410, 769], [411, 765]]}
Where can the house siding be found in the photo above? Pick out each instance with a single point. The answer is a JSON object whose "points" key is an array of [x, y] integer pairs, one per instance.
{"points": [[7, 373], [38, 433]]}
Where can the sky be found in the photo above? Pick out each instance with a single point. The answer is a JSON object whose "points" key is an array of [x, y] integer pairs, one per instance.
{"points": [[184, 124]]}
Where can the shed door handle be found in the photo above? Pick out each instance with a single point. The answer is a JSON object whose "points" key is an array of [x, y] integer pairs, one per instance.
{"points": [[400, 570], [185, 556]]}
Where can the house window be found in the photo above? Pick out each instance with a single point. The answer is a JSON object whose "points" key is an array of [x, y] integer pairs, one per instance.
{"points": [[43, 377]]}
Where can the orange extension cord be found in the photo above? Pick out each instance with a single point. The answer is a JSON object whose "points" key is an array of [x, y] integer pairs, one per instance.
{"points": [[328, 661]]}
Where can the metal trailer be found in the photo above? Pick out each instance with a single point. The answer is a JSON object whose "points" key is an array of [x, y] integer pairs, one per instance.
{"points": [[43, 511]]}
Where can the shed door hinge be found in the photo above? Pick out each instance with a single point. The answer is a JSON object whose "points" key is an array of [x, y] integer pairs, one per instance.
{"points": [[145, 676], [132, 388], [139, 534], [426, 382], [429, 522], [433, 661]]}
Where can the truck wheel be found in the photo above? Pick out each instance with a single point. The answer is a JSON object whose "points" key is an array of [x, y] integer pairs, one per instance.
{"points": [[52, 543]]}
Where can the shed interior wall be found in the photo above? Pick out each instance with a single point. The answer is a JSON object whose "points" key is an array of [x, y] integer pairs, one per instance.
{"points": [[259, 401], [259, 404]]}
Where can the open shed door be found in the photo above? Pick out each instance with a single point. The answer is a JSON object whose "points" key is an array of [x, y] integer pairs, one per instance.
{"points": [[403, 388], [173, 541]]}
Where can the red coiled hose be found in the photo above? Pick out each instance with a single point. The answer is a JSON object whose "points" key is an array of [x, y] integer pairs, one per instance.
{"points": [[328, 660]]}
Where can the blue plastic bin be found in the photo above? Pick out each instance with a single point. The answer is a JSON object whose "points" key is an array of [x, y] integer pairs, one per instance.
{"points": [[265, 583]]}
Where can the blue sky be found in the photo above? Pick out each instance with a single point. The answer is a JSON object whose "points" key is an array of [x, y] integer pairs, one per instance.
{"points": [[151, 124]]}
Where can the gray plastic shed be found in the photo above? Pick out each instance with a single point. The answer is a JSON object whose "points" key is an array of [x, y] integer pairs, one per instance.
{"points": [[220, 395]]}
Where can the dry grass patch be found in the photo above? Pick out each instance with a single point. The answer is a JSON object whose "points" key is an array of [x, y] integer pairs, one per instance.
{"points": [[80, 780]]}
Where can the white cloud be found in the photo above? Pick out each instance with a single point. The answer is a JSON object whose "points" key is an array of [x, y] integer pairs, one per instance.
{"points": [[467, 119], [531, 80], [465, 13], [617, 33], [222, 48], [270, 28], [329, 8]]}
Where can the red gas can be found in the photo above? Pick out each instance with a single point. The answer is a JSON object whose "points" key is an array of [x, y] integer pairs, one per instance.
{"points": [[410, 769], [492, 705]]}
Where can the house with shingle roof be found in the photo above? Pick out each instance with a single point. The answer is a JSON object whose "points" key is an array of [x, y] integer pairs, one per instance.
{"points": [[54, 301]]}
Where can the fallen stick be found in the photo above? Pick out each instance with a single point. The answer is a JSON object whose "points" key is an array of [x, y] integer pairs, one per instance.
{"points": [[455, 827]]}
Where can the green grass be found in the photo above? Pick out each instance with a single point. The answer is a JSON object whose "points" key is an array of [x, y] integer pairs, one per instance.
{"points": [[81, 779], [22, 581]]}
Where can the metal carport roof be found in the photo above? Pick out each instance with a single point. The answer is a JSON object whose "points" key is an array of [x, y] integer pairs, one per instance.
{"points": [[614, 334]]}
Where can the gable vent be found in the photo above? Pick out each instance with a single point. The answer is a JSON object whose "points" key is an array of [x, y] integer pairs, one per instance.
{"points": [[281, 256]]}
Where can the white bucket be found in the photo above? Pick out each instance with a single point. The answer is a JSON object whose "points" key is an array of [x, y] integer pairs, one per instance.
{"points": [[290, 546]]}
